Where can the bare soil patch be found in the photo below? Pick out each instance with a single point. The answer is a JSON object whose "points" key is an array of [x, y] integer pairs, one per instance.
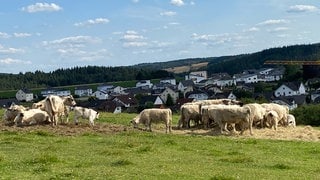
{"points": [[303, 133]]}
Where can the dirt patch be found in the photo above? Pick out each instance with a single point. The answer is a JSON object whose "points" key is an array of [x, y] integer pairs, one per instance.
{"points": [[303, 133]]}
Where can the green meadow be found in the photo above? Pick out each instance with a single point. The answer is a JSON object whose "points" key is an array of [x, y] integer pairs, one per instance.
{"points": [[127, 153]]}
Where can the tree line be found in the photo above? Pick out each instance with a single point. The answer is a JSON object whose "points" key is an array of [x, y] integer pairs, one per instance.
{"points": [[78, 75]]}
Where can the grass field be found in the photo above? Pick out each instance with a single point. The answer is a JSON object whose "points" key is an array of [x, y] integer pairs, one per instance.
{"points": [[114, 150]]}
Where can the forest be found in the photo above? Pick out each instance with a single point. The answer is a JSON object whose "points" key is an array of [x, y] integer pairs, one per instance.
{"points": [[101, 74]]}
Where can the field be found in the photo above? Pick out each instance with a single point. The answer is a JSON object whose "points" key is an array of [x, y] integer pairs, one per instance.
{"points": [[114, 150]]}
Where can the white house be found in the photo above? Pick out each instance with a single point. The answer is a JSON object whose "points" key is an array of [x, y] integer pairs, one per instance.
{"points": [[118, 90], [101, 95], [197, 95], [290, 89], [105, 87], [83, 91], [197, 76], [24, 95], [144, 83], [63, 92], [225, 81], [168, 91], [247, 78], [58, 92], [169, 80], [183, 85]]}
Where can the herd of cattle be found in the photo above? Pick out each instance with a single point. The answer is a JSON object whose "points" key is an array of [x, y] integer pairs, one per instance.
{"points": [[227, 114], [51, 110]]}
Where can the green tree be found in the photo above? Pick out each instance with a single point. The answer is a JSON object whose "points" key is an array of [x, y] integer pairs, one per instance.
{"points": [[169, 101]]}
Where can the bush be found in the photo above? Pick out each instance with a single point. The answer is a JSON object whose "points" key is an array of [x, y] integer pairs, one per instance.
{"points": [[307, 115]]}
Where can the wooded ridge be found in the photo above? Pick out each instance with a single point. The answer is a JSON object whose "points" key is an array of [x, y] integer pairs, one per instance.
{"points": [[101, 74]]}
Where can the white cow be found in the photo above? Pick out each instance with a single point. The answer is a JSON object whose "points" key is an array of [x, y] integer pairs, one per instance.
{"points": [[272, 118], [11, 113], [154, 115], [291, 120], [232, 115], [32, 117], [55, 106], [85, 113]]}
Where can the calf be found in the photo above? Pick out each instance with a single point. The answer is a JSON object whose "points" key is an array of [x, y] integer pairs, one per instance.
{"points": [[85, 113]]}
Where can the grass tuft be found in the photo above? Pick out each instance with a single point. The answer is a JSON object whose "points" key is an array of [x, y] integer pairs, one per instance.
{"points": [[43, 159], [121, 162], [281, 166], [221, 178], [237, 159]]}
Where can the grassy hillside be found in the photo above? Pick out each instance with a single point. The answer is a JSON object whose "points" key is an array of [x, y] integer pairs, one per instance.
{"points": [[113, 150]]}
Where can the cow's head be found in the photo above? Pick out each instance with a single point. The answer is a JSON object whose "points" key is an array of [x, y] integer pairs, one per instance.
{"points": [[135, 122], [69, 100]]}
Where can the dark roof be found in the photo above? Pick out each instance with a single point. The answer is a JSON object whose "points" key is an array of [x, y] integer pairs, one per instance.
{"points": [[298, 99], [292, 85], [127, 99], [108, 106], [186, 83], [150, 98], [196, 91]]}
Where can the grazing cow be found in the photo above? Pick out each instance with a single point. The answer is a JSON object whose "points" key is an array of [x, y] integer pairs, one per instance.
{"points": [[32, 117], [273, 119], [189, 111], [85, 113], [11, 113], [257, 113], [55, 106], [153, 115], [232, 115], [281, 110], [291, 120], [206, 114]]}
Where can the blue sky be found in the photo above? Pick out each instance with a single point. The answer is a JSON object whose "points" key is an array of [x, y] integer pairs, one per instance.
{"points": [[47, 35]]}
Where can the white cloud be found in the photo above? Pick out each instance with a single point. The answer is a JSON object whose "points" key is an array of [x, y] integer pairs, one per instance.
{"points": [[4, 35], [215, 39], [135, 1], [133, 39], [42, 7], [4, 50], [9, 61], [73, 41], [273, 22], [93, 22], [168, 13], [278, 29], [82, 55], [21, 35], [253, 29], [134, 44], [177, 2], [302, 8]]}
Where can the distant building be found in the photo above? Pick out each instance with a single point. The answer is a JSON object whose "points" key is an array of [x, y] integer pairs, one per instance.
{"points": [[197, 76], [24, 95], [290, 89], [144, 83], [83, 91]]}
